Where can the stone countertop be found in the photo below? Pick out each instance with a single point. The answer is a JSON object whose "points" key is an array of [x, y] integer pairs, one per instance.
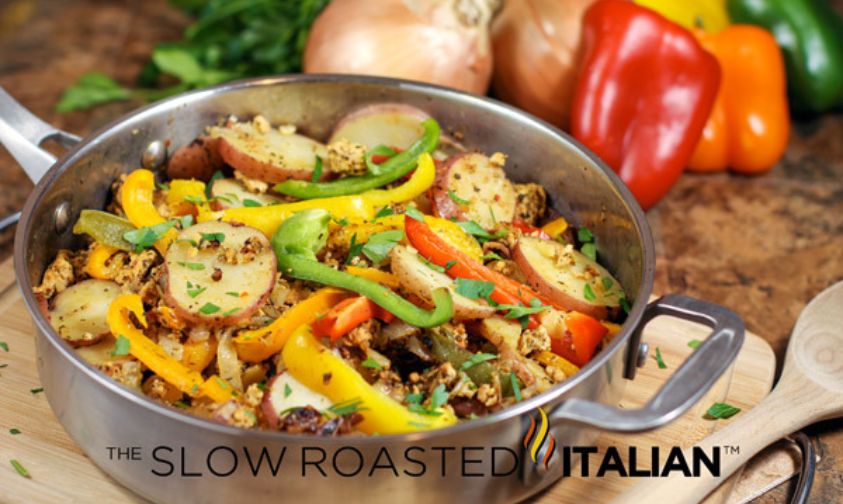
{"points": [[763, 246]]}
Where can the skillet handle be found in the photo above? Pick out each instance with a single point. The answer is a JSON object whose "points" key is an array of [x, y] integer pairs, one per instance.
{"points": [[22, 133], [687, 385]]}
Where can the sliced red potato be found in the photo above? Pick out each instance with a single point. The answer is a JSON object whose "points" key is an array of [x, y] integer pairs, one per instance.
{"points": [[474, 187], [390, 124], [100, 353], [79, 312], [420, 279], [264, 153], [284, 392], [230, 193], [218, 283], [197, 160], [566, 277]]}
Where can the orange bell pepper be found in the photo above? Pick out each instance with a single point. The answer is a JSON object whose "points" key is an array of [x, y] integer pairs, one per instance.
{"points": [[750, 123], [580, 340], [347, 315]]}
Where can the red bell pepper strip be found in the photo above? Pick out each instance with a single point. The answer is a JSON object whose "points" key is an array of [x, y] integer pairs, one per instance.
{"points": [[529, 229], [580, 340], [645, 90], [348, 315]]}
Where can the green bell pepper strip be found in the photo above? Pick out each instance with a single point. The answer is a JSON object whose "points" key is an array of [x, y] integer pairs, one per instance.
{"points": [[300, 237], [105, 228], [446, 349], [389, 171], [810, 34]]}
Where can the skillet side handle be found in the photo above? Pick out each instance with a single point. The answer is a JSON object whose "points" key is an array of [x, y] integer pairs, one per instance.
{"points": [[687, 385], [22, 133]]}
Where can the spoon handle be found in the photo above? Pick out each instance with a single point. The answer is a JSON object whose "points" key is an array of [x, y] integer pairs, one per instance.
{"points": [[781, 413]]}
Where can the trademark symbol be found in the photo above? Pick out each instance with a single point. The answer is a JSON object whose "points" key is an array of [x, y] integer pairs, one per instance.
{"points": [[731, 450]]}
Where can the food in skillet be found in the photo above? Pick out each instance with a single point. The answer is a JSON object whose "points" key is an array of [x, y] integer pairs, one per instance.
{"points": [[384, 282]]}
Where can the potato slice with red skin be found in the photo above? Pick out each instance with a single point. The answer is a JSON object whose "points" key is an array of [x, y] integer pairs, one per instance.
{"points": [[476, 179], [79, 312], [267, 154], [390, 124], [561, 274], [197, 160], [418, 278], [100, 353], [217, 284], [230, 193], [284, 392]]}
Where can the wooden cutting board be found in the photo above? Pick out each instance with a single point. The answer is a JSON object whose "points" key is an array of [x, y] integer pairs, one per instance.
{"points": [[59, 472]]}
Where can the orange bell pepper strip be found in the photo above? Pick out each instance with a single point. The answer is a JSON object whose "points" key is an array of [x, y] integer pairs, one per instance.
{"points": [[136, 198], [348, 315], [150, 353], [580, 340], [199, 354], [95, 263], [260, 344], [749, 126]]}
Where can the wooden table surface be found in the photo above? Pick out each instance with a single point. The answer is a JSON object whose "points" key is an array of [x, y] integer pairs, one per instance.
{"points": [[763, 246]]}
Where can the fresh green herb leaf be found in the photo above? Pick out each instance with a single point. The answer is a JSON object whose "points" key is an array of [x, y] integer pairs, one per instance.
{"points": [[694, 343], [36, 391], [145, 237], [371, 364], [13, 431], [209, 187], [491, 256], [181, 404], [317, 170], [190, 242], [659, 359], [450, 264], [474, 289], [346, 407], [474, 229], [194, 389], [439, 397], [721, 411], [90, 90], [492, 214], [217, 237], [194, 290], [20, 468], [121, 346], [250, 203], [354, 249], [459, 201], [287, 390], [4, 365], [233, 294], [196, 200], [520, 311], [192, 265], [415, 213], [380, 244], [162, 186], [231, 312], [209, 309], [624, 302], [589, 250], [414, 398], [4, 346], [384, 212], [433, 266], [477, 359], [342, 222], [607, 283], [186, 221], [516, 390], [588, 293], [584, 235]]}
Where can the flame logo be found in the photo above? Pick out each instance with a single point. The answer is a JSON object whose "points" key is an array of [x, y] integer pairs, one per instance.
{"points": [[537, 436]]}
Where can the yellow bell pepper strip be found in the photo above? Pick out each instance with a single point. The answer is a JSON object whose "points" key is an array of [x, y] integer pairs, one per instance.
{"points": [[319, 369], [147, 351], [557, 361], [375, 275], [95, 264], [556, 227], [419, 182], [185, 195], [259, 344], [299, 239], [136, 199], [710, 15], [199, 354]]}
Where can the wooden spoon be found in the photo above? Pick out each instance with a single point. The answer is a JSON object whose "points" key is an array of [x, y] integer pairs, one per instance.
{"points": [[809, 390]]}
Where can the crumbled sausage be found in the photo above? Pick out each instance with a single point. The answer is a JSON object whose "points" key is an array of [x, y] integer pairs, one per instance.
{"points": [[530, 202], [487, 395], [534, 340], [346, 158], [58, 276], [135, 268], [252, 185], [126, 372]]}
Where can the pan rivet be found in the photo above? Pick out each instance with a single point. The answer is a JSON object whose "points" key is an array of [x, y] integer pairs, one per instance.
{"points": [[643, 349], [154, 155], [61, 217]]}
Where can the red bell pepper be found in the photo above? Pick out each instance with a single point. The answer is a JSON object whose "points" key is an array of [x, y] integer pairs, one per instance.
{"points": [[644, 92], [347, 315], [580, 340]]}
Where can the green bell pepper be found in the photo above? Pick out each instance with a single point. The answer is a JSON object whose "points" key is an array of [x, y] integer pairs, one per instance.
{"points": [[105, 228], [389, 171], [810, 34], [300, 237]]}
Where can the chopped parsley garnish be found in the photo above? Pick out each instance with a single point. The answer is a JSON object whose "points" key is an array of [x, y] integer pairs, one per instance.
{"points": [[584, 235], [185, 221], [721, 411], [624, 302], [589, 250], [659, 359], [194, 290], [521, 312], [209, 309], [380, 244], [13, 431], [145, 237], [250, 203], [414, 213], [4, 346], [233, 294], [196, 200], [192, 265], [516, 390], [229, 198], [413, 398], [433, 266], [474, 289], [491, 256], [437, 399], [371, 364], [450, 264], [231, 312], [607, 283], [287, 390], [4, 365], [384, 212], [588, 293], [216, 176], [354, 249], [217, 237], [317, 170], [342, 222], [162, 186], [19, 468], [121, 346], [477, 359], [181, 405], [475, 230], [459, 201], [36, 390], [190, 242], [694, 343], [346, 407]]}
